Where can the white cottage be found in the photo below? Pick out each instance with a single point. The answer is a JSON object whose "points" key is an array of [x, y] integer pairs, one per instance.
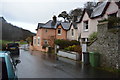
{"points": [[72, 33]]}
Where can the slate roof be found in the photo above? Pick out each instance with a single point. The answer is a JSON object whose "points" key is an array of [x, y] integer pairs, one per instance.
{"points": [[53, 25], [74, 25], [100, 9], [2, 19], [65, 25], [40, 25], [87, 11]]}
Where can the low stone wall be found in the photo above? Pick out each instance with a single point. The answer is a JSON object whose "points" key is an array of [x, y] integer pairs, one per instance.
{"points": [[108, 45], [74, 56]]}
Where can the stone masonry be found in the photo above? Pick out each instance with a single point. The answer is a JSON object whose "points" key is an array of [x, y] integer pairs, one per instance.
{"points": [[108, 45]]}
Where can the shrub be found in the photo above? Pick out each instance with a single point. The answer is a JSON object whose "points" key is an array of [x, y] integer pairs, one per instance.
{"points": [[62, 43], [75, 48], [114, 21], [70, 48], [74, 42], [3, 44], [78, 49], [44, 46], [66, 43], [93, 36], [67, 49]]}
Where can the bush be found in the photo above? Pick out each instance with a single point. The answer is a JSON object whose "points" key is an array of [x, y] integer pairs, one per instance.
{"points": [[66, 43], [74, 42], [75, 48], [3, 44], [78, 49], [44, 46], [93, 36], [62, 43], [114, 21], [70, 48]]}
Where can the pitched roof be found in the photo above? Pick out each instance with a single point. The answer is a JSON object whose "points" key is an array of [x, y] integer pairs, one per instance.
{"points": [[99, 11], [2, 19], [74, 25], [65, 25], [118, 3], [40, 25], [49, 24], [53, 25], [87, 11]]}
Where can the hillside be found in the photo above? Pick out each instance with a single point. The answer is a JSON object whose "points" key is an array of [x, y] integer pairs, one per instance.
{"points": [[13, 33]]}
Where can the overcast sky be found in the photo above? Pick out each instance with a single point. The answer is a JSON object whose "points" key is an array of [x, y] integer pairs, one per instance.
{"points": [[28, 13]]}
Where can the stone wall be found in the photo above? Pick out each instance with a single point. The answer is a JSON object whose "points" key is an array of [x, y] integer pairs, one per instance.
{"points": [[108, 45]]}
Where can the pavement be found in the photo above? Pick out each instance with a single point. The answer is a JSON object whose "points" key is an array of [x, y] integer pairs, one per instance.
{"points": [[36, 64]]}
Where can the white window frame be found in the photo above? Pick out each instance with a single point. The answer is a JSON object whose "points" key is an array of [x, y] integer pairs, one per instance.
{"points": [[38, 42], [72, 32], [34, 41], [60, 31], [85, 25]]}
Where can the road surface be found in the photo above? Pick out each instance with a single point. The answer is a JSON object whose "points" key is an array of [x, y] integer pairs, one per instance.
{"points": [[35, 64]]}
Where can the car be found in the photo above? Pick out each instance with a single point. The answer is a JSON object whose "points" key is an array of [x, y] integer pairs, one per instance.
{"points": [[7, 66], [13, 48]]}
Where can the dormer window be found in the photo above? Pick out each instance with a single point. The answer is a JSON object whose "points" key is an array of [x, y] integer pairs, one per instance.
{"points": [[59, 31], [85, 25]]}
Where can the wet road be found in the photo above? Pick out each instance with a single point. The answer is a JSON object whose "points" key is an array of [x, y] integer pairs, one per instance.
{"points": [[36, 64]]}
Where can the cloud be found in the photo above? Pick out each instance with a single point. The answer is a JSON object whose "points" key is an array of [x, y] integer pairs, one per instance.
{"points": [[35, 11]]}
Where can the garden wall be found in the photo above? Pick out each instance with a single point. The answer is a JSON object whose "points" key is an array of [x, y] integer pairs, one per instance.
{"points": [[74, 56], [108, 45]]}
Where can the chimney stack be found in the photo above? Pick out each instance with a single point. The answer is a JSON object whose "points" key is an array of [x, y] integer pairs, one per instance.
{"points": [[54, 18]]}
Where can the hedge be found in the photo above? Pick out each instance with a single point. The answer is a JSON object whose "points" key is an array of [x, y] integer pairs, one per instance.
{"points": [[66, 43]]}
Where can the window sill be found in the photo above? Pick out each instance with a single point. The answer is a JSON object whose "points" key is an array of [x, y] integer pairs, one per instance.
{"points": [[86, 30], [59, 34]]}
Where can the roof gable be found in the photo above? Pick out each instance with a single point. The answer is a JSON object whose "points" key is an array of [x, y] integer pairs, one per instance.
{"points": [[100, 10], [74, 24], [65, 25], [85, 12], [53, 25]]}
